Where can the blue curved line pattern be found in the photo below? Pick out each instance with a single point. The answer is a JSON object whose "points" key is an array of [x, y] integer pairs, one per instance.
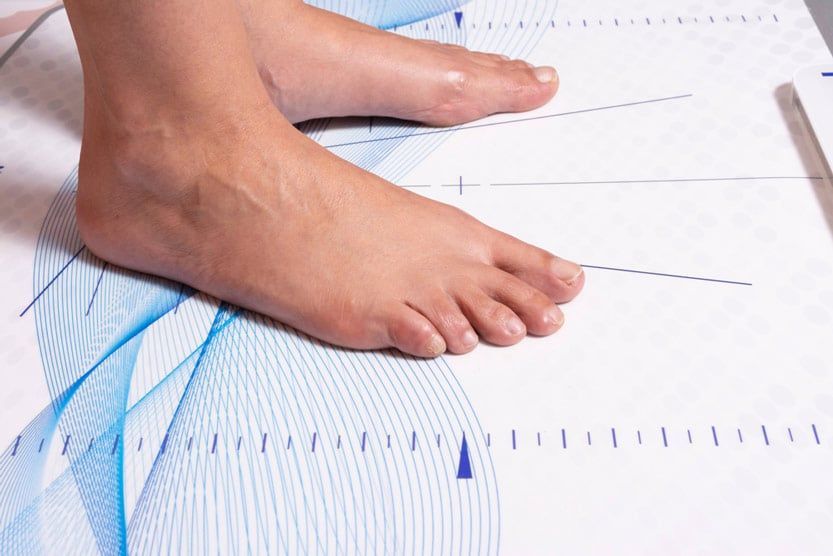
{"points": [[180, 423]]}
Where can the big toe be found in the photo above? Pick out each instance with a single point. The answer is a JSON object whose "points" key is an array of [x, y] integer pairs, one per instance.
{"points": [[492, 85], [562, 280], [515, 86]]}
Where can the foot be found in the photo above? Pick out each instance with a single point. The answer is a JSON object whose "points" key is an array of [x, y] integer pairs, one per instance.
{"points": [[351, 69], [249, 210]]}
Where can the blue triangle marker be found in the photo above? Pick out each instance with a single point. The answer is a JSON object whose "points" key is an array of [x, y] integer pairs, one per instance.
{"points": [[464, 469], [458, 16]]}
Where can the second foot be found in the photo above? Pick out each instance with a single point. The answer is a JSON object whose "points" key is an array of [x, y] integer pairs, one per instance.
{"points": [[351, 69]]}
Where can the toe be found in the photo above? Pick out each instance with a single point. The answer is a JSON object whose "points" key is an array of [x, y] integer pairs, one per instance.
{"points": [[449, 320], [560, 279], [539, 313], [412, 333], [495, 322], [516, 86]]}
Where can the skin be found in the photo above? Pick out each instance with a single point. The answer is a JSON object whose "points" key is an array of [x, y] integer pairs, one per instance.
{"points": [[187, 177]]}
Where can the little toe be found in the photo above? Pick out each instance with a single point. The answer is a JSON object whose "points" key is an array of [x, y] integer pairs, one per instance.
{"points": [[450, 322], [495, 322], [410, 332]]}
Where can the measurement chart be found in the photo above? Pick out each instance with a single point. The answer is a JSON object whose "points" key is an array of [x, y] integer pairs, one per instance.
{"points": [[685, 407]]}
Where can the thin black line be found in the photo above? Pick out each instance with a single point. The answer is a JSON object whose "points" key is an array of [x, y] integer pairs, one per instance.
{"points": [[669, 180], [69, 262], [95, 291], [27, 33], [681, 276], [519, 120]]}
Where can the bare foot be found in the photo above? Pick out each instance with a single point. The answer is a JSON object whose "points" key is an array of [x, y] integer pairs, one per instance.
{"points": [[250, 210], [351, 69]]}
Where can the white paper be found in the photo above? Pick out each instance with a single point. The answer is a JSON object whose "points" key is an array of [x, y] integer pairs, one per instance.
{"points": [[685, 411]]}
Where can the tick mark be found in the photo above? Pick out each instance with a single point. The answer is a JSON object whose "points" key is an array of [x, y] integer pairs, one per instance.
{"points": [[116, 445], [827, 74], [664, 437], [816, 435], [766, 436], [714, 436], [464, 465]]}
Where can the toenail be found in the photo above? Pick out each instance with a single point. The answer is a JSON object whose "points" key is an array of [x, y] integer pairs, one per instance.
{"points": [[567, 271], [554, 316], [546, 74], [514, 326], [469, 338], [436, 346]]}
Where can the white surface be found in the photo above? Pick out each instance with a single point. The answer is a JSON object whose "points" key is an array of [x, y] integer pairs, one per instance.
{"points": [[638, 352]]}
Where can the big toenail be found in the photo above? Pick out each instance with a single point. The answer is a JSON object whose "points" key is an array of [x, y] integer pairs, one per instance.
{"points": [[436, 346], [514, 326], [469, 338], [546, 74], [567, 271]]}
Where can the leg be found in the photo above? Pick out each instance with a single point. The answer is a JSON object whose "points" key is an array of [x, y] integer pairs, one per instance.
{"points": [[356, 70], [188, 172]]}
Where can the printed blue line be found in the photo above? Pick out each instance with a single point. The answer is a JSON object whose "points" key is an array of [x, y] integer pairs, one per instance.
{"points": [[95, 290], [115, 445], [139, 448], [515, 121], [664, 438], [413, 441], [338, 444], [314, 439], [740, 436], [239, 442], [766, 436], [690, 441], [52, 281], [179, 297], [816, 435], [289, 442], [190, 442], [613, 434], [164, 444], [90, 445], [16, 444], [589, 440], [514, 440], [364, 440], [827, 74], [714, 436], [539, 439], [563, 439], [664, 275], [790, 433], [40, 446], [66, 445], [213, 443], [263, 444], [639, 437]]}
